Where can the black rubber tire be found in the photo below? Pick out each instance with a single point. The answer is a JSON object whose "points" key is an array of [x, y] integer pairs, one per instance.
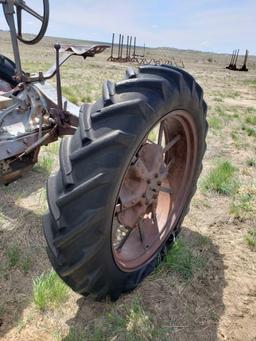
{"points": [[7, 70], [82, 195]]}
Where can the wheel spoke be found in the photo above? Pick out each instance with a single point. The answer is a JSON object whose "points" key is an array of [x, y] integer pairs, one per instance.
{"points": [[19, 21], [118, 208], [166, 190], [160, 134], [140, 233], [171, 144], [122, 242], [30, 11]]}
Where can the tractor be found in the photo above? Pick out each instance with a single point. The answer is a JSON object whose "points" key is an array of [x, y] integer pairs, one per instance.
{"points": [[129, 163]]}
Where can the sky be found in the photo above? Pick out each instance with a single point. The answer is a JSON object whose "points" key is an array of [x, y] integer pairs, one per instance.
{"points": [[206, 25]]}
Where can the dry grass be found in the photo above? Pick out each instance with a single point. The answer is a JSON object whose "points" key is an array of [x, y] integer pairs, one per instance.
{"points": [[217, 253]]}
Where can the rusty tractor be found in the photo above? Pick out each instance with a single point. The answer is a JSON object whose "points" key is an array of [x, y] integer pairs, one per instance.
{"points": [[129, 162]]}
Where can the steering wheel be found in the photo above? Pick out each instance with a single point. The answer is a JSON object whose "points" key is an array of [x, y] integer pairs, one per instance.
{"points": [[21, 6]]}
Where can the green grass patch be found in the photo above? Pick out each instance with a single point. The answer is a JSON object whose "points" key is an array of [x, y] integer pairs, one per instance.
{"points": [[45, 163], [13, 256], [250, 239], [181, 260], [49, 291], [218, 99], [129, 322], [214, 122], [251, 162], [221, 179], [251, 82], [220, 110], [251, 119], [241, 206], [47, 158], [249, 130], [233, 94]]}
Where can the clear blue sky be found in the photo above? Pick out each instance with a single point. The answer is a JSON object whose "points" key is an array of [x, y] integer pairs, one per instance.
{"points": [[208, 25]]}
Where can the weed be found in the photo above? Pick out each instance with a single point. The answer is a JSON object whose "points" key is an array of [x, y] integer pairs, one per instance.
{"points": [[244, 202], [250, 131], [13, 255], [76, 335], [220, 110], [128, 322], [250, 239], [49, 291], [250, 82], [221, 179], [25, 264], [181, 260], [218, 99], [251, 110], [2, 309], [251, 119], [45, 164], [214, 122], [251, 162], [234, 136], [233, 94]]}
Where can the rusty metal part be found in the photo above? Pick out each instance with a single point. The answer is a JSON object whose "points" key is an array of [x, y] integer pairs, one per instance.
{"points": [[154, 191], [16, 146], [142, 184], [13, 168], [233, 61], [244, 66]]}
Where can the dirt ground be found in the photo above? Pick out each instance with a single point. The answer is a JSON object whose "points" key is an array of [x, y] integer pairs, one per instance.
{"points": [[219, 301]]}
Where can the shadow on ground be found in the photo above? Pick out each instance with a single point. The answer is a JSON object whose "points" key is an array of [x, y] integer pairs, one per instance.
{"points": [[163, 307], [20, 235], [177, 309]]}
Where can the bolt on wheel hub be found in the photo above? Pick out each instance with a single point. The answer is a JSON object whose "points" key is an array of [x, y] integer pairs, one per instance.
{"points": [[142, 184]]}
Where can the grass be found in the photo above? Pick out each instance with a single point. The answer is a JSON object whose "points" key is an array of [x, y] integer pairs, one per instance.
{"points": [[249, 130], [181, 260], [251, 162], [25, 264], [49, 291], [241, 206], [75, 335], [220, 110], [13, 256], [134, 323], [250, 82], [47, 158], [250, 239], [214, 122], [233, 94], [221, 179], [129, 322], [250, 119]]}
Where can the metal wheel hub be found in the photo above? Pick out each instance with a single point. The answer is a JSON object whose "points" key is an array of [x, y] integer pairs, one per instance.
{"points": [[154, 190], [142, 183]]}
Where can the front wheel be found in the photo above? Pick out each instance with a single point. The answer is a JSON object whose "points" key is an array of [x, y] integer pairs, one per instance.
{"points": [[126, 179]]}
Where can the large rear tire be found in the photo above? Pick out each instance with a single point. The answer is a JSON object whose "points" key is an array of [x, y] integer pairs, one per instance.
{"points": [[93, 199]]}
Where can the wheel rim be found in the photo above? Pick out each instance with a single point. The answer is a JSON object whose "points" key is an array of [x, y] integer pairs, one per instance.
{"points": [[154, 190]]}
